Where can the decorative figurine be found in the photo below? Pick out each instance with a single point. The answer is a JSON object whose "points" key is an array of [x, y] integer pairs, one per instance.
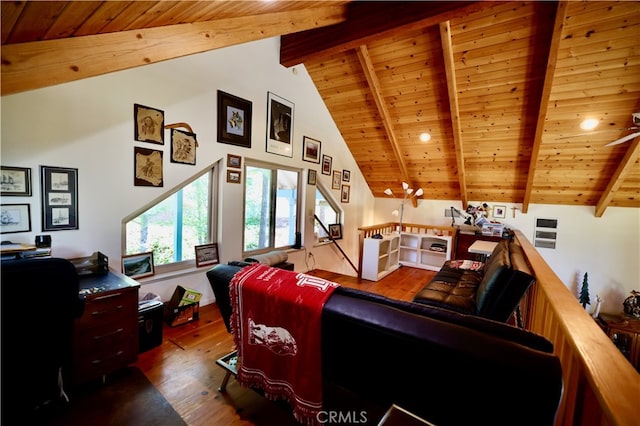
{"points": [[632, 304]]}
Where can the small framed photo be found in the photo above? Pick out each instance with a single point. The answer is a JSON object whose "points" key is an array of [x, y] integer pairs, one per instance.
{"points": [[147, 165], [335, 182], [335, 231], [345, 193], [234, 176], [138, 265], [15, 181], [346, 175], [499, 212], [183, 147], [234, 161], [15, 218], [149, 124], [234, 120], [326, 165], [312, 177], [279, 125], [59, 196], [311, 150], [207, 254]]}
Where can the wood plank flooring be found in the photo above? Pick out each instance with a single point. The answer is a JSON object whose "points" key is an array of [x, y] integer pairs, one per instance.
{"points": [[183, 368]]}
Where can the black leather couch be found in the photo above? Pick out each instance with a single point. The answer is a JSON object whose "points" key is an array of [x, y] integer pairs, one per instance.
{"points": [[446, 367], [39, 303], [492, 292]]}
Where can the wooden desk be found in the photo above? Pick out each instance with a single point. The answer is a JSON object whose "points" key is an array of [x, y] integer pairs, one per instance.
{"points": [[483, 248]]}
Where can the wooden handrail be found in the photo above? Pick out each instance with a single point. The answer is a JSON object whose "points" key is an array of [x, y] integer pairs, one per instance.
{"points": [[601, 387]]}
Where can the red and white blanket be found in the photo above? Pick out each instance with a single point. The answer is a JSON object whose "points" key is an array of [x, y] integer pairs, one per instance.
{"points": [[276, 324]]}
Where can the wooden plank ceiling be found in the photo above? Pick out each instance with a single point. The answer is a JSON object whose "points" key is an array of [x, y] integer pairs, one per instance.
{"points": [[501, 87]]}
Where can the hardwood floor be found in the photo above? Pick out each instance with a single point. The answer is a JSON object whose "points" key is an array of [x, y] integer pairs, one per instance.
{"points": [[183, 368]]}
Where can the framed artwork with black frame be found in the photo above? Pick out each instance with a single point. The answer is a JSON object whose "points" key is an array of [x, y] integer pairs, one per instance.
{"points": [[234, 120], [59, 193], [207, 254], [312, 177], [138, 265], [183, 147], [335, 182], [326, 164], [147, 167], [346, 175], [311, 150], [16, 181], [149, 124], [345, 193], [15, 218], [335, 231], [279, 125]]}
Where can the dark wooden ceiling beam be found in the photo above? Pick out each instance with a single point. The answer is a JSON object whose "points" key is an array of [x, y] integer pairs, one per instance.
{"points": [[368, 21]]}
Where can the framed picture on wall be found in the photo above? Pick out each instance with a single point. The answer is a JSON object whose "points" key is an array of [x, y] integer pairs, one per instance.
{"points": [[499, 212], [346, 175], [148, 124], [326, 165], [234, 120], [16, 181], [335, 231], [59, 196], [147, 164], [183, 147], [234, 176], [207, 254], [335, 182], [15, 218], [234, 161], [311, 150], [279, 125], [345, 193], [312, 177]]}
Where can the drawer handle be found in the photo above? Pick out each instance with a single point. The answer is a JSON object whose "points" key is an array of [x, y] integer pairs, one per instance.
{"points": [[120, 330], [108, 296], [117, 308], [116, 355]]}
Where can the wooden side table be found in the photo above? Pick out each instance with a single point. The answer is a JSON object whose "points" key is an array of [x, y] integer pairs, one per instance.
{"points": [[624, 331]]}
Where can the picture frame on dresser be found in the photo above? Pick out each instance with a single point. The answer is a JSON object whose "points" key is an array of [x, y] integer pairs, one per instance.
{"points": [[16, 181], [59, 196]]}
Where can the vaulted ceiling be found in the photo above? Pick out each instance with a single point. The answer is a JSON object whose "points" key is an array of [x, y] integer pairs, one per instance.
{"points": [[501, 87]]}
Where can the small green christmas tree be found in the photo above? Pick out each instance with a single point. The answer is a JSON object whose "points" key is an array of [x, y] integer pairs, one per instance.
{"points": [[584, 291]]}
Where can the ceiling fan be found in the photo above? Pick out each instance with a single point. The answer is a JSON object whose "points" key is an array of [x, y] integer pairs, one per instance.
{"points": [[634, 134]]}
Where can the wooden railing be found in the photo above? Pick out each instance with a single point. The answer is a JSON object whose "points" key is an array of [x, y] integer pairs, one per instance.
{"points": [[389, 227], [601, 387]]}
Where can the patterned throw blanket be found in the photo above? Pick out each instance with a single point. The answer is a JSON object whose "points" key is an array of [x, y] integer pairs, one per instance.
{"points": [[276, 323]]}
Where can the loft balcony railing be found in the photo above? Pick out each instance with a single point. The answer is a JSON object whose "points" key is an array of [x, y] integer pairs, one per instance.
{"points": [[601, 387]]}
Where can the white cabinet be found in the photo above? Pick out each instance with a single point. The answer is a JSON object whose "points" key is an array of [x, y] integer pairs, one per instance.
{"points": [[426, 251], [380, 256]]}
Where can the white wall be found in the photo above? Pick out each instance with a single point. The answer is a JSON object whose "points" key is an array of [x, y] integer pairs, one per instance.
{"points": [[607, 248], [88, 125]]}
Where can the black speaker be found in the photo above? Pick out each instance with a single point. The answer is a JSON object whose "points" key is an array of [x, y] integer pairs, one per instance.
{"points": [[298, 243]]}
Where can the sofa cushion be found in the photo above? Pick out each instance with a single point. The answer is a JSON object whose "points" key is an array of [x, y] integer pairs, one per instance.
{"points": [[452, 288], [496, 272]]}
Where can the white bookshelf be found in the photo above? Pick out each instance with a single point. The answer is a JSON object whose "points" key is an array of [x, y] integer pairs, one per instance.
{"points": [[380, 257], [426, 251]]}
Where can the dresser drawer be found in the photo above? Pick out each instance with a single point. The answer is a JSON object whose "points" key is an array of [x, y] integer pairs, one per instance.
{"points": [[109, 308]]}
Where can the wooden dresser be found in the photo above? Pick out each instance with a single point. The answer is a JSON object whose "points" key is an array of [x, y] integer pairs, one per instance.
{"points": [[105, 338], [624, 331]]}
